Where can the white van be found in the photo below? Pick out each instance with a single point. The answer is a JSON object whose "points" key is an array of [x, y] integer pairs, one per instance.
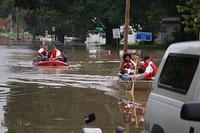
{"points": [[174, 104]]}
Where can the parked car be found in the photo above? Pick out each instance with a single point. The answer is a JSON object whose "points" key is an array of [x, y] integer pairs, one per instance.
{"points": [[174, 104]]}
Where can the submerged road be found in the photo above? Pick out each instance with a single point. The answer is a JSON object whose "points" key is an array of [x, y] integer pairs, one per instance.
{"points": [[56, 99]]}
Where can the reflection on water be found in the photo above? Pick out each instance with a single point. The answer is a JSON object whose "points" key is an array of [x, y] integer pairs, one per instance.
{"points": [[132, 112], [56, 99]]}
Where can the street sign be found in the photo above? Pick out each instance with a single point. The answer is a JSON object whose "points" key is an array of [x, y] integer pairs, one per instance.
{"points": [[144, 36], [116, 33], [99, 28]]}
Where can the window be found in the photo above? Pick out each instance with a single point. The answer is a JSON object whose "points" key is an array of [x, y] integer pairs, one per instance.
{"points": [[178, 72]]}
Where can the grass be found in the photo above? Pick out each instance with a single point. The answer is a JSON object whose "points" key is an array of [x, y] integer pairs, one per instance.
{"points": [[130, 46], [147, 46], [14, 35], [139, 46]]}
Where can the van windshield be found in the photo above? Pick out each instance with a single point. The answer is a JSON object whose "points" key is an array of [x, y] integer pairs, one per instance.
{"points": [[178, 72]]}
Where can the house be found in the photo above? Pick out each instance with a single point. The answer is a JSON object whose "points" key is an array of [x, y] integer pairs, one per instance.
{"points": [[4, 25], [171, 25], [100, 38]]}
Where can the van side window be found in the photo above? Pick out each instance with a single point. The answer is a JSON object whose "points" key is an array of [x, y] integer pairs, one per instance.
{"points": [[178, 72]]}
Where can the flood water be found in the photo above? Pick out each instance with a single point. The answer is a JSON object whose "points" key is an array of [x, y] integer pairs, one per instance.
{"points": [[56, 99]]}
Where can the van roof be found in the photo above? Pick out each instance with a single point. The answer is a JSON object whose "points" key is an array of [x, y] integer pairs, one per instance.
{"points": [[190, 47]]}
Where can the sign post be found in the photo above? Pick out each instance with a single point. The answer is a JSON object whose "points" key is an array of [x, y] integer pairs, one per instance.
{"points": [[99, 29], [116, 35], [53, 29]]}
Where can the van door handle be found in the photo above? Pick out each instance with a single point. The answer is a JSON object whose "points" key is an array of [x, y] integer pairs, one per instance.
{"points": [[191, 130]]}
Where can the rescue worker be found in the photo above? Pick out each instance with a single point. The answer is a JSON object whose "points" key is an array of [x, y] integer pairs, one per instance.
{"points": [[64, 55], [55, 54], [126, 68], [43, 53], [149, 68]]}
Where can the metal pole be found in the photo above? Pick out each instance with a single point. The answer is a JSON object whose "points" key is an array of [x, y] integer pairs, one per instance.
{"points": [[117, 44], [126, 25]]}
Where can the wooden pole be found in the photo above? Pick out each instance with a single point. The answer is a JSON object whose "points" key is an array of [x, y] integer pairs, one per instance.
{"points": [[17, 21], [127, 128], [126, 27]]}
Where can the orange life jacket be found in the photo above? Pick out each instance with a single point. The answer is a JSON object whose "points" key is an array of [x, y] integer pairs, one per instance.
{"points": [[150, 75], [53, 54]]}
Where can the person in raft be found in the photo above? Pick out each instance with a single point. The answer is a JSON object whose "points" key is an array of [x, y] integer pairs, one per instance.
{"points": [[134, 58], [149, 69], [126, 70], [64, 55], [55, 54], [43, 53]]}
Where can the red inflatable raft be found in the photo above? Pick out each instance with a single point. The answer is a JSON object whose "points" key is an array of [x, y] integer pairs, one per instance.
{"points": [[50, 63]]}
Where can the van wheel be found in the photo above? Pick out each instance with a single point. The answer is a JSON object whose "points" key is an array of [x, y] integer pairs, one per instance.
{"points": [[157, 129]]}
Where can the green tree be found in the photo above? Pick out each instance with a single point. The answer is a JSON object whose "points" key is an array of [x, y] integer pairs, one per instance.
{"points": [[77, 17], [34, 26], [151, 15], [191, 15], [80, 17], [6, 8]]}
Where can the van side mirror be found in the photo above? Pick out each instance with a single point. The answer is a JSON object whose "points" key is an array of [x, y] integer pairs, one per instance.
{"points": [[89, 118], [190, 111]]}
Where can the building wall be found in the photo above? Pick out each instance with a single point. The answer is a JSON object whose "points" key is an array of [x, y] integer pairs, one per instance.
{"points": [[94, 38]]}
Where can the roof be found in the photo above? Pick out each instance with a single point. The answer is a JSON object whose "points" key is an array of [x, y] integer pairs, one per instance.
{"points": [[190, 47], [171, 20]]}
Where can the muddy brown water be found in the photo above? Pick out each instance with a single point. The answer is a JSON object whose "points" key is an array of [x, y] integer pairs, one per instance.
{"points": [[56, 99]]}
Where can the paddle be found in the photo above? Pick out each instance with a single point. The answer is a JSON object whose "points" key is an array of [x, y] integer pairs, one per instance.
{"points": [[133, 87], [132, 92]]}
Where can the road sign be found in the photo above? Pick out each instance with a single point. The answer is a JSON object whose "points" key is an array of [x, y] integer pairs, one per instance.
{"points": [[53, 29], [116, 33], [144, 36], [99, 28]]}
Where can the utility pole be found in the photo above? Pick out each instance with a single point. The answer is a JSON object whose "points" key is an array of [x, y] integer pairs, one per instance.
{"points": [[17, 20], [126, 27], [11, 23]]}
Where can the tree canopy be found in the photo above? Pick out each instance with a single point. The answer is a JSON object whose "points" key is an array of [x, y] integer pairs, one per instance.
{"points": [[80, 17], [6, 8], [191, 15]]}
